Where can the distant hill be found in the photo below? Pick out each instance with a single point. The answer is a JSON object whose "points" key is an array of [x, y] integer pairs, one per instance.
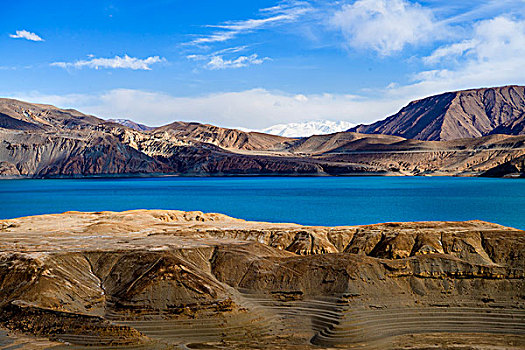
{"points": [[456, 115], [131, 124], [309, 128]]}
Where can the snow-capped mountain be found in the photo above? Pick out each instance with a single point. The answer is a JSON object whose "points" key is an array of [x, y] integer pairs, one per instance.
{"points": [[131, 124], [304, 129]]}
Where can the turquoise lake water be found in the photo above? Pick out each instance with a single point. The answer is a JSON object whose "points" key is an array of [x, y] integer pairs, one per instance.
{"points": [[305, 200]]}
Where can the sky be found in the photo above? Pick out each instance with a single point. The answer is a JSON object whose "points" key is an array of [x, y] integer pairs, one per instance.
{"points": [[255, 63]]}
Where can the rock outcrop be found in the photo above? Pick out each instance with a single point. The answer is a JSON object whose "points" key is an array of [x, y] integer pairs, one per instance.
{"points": [[157, 279], [457, 115]]}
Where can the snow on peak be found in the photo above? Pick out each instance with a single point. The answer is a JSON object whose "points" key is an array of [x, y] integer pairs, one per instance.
{"points": [[131, 124], [309, 128]]}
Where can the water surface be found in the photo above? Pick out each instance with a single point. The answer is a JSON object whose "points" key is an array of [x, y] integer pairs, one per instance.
{"points": [[305, 200]]}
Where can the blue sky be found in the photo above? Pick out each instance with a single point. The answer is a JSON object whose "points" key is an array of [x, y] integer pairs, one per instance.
{"points": [[255, 63]]}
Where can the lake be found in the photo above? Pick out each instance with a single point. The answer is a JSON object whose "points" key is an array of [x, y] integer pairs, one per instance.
{"points": [[324, 201]]}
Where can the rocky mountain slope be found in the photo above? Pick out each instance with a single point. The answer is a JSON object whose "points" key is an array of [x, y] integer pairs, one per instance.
{"points": [[45, 141], [155, 279], [456, 115]]}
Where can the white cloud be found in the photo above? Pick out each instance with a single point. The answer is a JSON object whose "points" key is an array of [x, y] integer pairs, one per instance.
{"points": [[284, 13], [254, 109], [24, 34], [217, 62], [230, 50], [215, 37], [115, 62], [493, 55], [301, 98], [386, 26], [285, 5], [474, 10], [450, 51]]}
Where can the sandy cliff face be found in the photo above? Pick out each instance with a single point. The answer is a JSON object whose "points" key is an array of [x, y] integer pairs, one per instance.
{"points": [[457, 115], [167, 277]]}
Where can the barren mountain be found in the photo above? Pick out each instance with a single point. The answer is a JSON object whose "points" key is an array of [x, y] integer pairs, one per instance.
{"points": [[156, 279], [45, 141], [456, 115]]}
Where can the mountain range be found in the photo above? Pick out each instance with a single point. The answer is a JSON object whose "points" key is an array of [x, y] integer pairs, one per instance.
{"points": [[45, 141], [303, 129]]}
